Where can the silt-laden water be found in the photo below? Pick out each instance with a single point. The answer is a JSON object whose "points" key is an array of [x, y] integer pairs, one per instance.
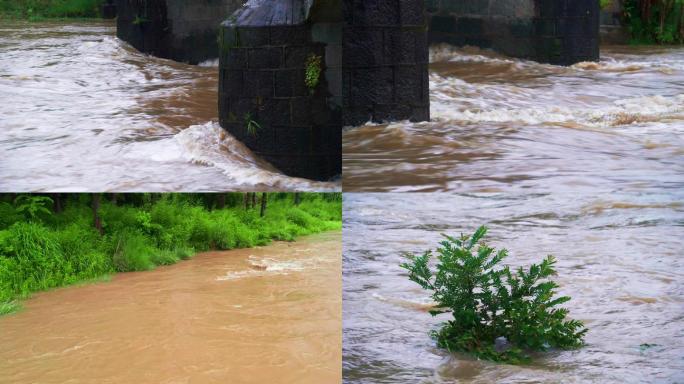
{"points": [[80, 110], [261, 315], [501, 124], [619, 257]]}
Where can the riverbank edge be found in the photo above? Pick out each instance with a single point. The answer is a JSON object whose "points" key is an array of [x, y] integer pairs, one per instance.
{"points": [[37, 10], [16, 306], [217, 230], [6, 17]]}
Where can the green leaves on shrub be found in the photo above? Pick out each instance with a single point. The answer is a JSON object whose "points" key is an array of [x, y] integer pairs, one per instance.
{"points": [[497, 314], [33, 206]]}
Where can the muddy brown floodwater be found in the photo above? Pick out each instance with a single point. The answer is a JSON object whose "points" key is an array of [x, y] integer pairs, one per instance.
{"points": [[620, 258], [502, 124], [83, 111], [263, 315]]}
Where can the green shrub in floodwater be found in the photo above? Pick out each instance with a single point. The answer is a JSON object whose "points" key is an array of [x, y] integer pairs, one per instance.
{"points": [[498, 314]]}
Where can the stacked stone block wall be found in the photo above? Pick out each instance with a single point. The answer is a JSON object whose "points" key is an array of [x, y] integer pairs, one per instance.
{"points": [[567, 31], [180, 30], [108, 9], [264, 100], [385, 61], [613, 30], [555, 31]]}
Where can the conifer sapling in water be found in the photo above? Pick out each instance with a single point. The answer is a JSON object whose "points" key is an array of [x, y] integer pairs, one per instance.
{"points": [[498, 314]]}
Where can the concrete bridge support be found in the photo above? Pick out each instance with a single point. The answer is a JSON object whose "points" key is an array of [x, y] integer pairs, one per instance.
{"points": [[180, 30]]}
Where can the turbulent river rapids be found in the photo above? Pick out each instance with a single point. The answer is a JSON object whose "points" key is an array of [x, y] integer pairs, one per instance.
{"points": [[83, 111]]}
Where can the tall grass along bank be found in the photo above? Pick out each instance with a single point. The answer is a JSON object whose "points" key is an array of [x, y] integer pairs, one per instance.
{"points": [[40, 9], [48, 242]]}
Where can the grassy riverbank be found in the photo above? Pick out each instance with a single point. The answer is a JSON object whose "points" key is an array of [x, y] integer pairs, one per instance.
{"points": [[46, 243], [41, 9]]}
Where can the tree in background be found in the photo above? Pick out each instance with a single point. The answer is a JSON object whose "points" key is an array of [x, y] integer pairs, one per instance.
{"points": [[656, 21], [264, 198], [97, 221]]}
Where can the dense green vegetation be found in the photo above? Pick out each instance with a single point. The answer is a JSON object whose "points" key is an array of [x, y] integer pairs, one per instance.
{"points": [[39, 9], [497, 314], [53, 241], [655, 21]]}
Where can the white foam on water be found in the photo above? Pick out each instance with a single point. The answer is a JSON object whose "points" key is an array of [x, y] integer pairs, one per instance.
{"points": [[265, 266], [210, 145], [511, 107], [211, 63], [449, 53], [424, 304], [611, 64]]}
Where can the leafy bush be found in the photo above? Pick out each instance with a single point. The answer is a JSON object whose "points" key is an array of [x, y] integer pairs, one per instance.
{"points": [[33, 206], [81, 248], [497, 314], [33, 260], [132, 252], [8, 215]]}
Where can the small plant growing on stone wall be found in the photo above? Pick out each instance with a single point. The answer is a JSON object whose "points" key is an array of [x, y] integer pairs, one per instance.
{"points": [[313, 71], [252, 126], [139, 20], [498, 314]]}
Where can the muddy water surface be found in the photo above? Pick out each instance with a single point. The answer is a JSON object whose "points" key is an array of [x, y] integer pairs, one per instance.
{"points": [[81, 110], [502, 124], [263, 315], [619, 256]]}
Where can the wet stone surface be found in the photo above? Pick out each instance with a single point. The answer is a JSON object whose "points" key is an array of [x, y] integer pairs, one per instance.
{"points": [[558, 32], [180, 30]]}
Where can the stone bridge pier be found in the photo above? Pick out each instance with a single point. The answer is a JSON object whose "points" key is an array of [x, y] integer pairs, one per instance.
{"points": [[373, 62], [181, 30], [108, 9], [561, 32], [294, 72]]}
